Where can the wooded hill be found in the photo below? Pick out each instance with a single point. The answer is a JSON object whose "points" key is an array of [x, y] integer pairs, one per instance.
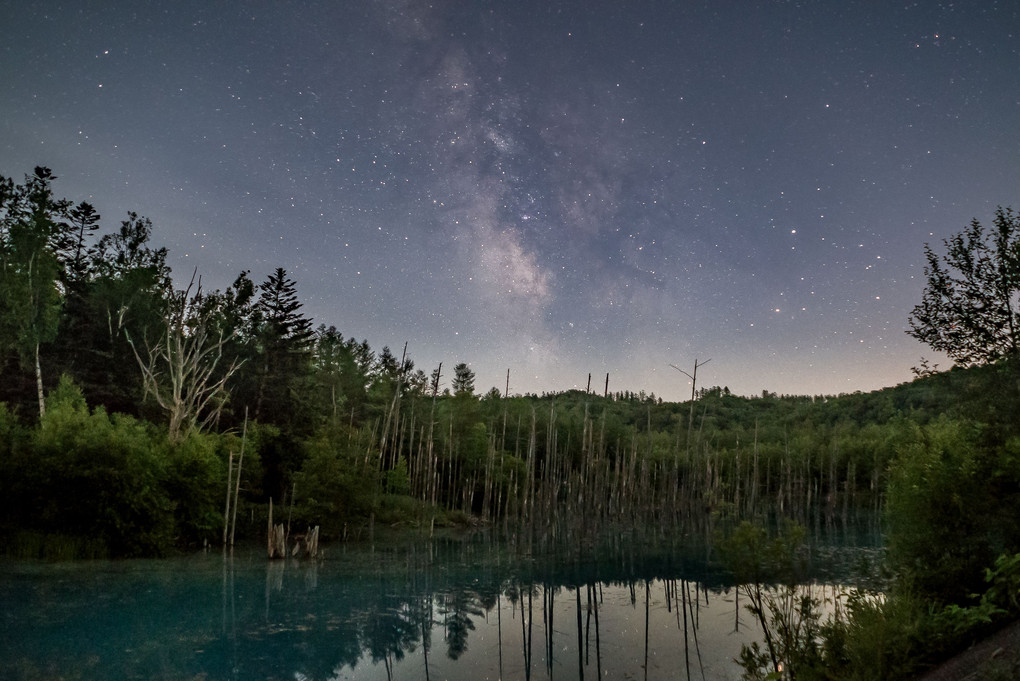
{"points": [[129, 404]]}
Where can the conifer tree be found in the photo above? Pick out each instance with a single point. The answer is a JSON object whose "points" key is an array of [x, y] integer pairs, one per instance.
{"points": [[284, 346], [73, 246], [463, 380]]}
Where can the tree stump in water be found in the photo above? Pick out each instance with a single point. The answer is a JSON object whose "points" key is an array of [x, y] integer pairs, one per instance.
{"points": [[277, 541], [307, 544], [312, 544]]}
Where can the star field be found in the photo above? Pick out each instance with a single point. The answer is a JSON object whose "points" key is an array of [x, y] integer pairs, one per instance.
{"points": [[554, 188]]}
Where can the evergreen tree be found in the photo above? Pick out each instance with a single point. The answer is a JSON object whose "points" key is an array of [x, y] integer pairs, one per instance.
{"points": [[463, 380], [387, 365], [418, 382], [73, 246], [363, 355], [284, 347], [340, 384], [76, 253]]}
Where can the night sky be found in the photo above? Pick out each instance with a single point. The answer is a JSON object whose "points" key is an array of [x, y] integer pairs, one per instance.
{"points": [[553, 188]]}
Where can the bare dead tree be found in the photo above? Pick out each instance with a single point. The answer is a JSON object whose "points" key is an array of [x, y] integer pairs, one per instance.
{"points": [[180, 370], [694, 395]]}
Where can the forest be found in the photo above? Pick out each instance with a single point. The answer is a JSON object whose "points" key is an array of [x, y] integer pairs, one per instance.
{"points": [[138, 419]]}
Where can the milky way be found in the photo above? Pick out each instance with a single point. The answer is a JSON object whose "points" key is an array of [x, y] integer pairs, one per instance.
{"points": [[553, 188]]}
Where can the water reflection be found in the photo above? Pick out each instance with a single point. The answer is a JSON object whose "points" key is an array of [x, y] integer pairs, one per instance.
{"points": [[461, 610]]}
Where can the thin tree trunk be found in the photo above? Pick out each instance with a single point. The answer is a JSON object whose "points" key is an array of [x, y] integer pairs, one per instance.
{"points": [[38, 384], [237, 484], [226, 512]]}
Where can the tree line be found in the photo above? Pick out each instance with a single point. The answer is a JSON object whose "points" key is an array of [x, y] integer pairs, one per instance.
{"points": [[100, 350]]}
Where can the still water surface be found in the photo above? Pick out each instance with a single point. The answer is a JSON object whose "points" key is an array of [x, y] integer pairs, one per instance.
{"points": [[457, 609]]}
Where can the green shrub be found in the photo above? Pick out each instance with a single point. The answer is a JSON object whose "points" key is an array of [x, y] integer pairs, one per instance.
{"points": [[93, 476], [334, 486], [879, 638], [196, 481], [937, 530], [397, 479]]}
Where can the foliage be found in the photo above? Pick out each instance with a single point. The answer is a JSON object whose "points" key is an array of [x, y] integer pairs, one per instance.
{"points": [[397, 481], [31, 226], [950, 509], [880, 637], [869, 635], [334, 488], [897, 635], [939, 487], [194, 481], [93, 475], [1000, 600], [124, 295], [87, 483], [970, 305], [1003, 594]]}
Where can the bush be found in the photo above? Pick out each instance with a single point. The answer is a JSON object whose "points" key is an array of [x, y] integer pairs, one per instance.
{"points": [[88, 479], [879, 638], [196, 479], [102, 477], [334, 487], [936, 511]]}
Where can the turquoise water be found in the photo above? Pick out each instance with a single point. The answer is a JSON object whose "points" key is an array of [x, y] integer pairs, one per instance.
{"points": [[456, 609]]}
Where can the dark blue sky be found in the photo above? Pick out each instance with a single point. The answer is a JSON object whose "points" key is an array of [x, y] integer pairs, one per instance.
{"points": [[556, 188]]}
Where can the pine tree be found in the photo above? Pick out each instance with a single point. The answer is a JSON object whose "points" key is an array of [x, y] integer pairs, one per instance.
{"points": [[284, 347], [463, 380], [72, 246]]}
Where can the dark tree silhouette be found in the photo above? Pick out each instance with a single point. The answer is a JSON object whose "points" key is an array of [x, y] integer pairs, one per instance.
{"points": [[73, 248], [463, 380], [285, 341], [971, 301]]}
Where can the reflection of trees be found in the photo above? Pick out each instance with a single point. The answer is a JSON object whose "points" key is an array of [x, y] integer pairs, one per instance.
{"points": [[308, 621], [425, 622], [594, 598], [320, 627], [457, 607], [389, 629], [518, 594], [369, 618], [548, 600]]}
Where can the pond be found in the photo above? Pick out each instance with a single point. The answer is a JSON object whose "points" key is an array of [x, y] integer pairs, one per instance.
{"points": [[461, 607]]}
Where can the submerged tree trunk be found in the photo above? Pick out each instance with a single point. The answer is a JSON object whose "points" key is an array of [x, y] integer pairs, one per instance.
{"points": [[237, 482], [38, 383]]}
